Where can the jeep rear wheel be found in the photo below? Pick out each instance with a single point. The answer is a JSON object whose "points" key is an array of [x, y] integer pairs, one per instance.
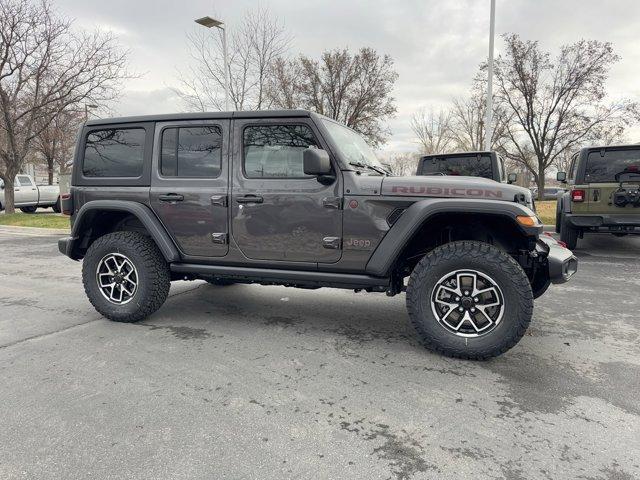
{"points": [[469, 300], [568, 234], [125, 276]]}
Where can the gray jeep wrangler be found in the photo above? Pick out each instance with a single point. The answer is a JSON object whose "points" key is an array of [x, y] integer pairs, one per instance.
{"points": [[293, 198]]}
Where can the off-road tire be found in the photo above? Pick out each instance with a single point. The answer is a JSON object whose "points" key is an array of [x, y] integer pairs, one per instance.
{"points": [[558, 216], [28, 209], [56, 206], [568, 234], [154, 277], [220, 282], [484, 258]]}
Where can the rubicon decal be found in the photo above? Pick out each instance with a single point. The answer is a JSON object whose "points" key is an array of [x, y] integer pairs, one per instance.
{"points": [[448, 192]]}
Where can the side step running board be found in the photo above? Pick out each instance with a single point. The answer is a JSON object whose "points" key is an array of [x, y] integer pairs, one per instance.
{"points": [[284, 277]]}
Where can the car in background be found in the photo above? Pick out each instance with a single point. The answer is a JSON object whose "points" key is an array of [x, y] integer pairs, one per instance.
{"points": [[28, 196], [603, 194], [551, 193], [483, 164]]}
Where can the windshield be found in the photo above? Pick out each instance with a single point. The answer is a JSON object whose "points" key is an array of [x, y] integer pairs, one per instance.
{"points": [[464, 165], [353, 148], [603, 169]]}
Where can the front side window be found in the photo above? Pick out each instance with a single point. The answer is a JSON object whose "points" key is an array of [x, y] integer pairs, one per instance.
{"points": [[24, 181], [605, 168], [191, 152], [114, 152], [275, 151]]}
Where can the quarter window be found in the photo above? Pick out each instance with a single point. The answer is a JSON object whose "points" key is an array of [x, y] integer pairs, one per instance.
{"points": [[275, 151], [114, 152], [191, 152]]}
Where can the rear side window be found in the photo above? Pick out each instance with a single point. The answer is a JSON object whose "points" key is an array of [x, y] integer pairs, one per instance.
{"points": [[191, 152], [275, 151], [603, 169], [473, 166], [114, 152]]}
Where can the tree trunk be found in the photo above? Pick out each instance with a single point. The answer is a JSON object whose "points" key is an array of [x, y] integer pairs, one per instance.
{"points": [[540, 181], [9, 204], [50, 170]]}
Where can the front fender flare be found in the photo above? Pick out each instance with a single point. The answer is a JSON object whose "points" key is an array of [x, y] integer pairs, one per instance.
{"points": [[413, 218], [141, 212]]}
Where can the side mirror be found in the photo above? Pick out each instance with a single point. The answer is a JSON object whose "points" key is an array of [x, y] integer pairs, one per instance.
{"points": [[512, 178], [561, 177], [316, 162]]}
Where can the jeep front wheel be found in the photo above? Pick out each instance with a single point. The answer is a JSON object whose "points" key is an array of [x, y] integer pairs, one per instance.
{"points": [[469, 300], [125, 276]]}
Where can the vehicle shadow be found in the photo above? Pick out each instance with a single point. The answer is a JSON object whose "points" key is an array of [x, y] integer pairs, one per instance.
{"points": [[358, 318]]}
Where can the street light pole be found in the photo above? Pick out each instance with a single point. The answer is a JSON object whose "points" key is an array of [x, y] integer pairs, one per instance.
{"points": [[210, 22], [489, 113]]}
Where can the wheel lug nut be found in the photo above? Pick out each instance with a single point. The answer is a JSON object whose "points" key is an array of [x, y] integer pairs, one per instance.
{"points": [[466, 294], [473, 309], [460, 309], [476, 299], [457, 299]]}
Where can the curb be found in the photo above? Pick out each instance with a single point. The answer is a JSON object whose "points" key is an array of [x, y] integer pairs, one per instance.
{"points": [[33, 230]]}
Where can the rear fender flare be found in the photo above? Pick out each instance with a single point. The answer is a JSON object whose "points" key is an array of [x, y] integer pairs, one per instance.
{"points": [[141, 212], [416, 215]]}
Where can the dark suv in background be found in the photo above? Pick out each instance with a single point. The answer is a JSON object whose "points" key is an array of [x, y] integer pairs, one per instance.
{"points": [[294, 198]]}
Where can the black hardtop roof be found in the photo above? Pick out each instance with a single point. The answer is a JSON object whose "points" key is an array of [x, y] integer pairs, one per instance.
{"points": [[167, 117], [628, 146], [457, 154]]}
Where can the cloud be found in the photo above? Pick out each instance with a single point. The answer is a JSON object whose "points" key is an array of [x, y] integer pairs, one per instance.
{"points": [[436, 45]]}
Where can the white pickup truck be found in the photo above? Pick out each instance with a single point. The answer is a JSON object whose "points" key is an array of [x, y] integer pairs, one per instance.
{"points": [[28, 196]]}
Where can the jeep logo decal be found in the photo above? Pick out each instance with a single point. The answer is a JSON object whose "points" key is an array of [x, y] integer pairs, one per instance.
{"points": [[448, 192]]}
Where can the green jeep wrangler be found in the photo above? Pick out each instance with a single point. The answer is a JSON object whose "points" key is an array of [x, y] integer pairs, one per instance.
{"points": [[603, 194]]}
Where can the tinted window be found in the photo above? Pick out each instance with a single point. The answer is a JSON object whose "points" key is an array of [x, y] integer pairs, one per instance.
{"points": [[114, 153], [275, 151], [471, 166], [604, 168], [191, 152], [572, 167], [24, 181]]}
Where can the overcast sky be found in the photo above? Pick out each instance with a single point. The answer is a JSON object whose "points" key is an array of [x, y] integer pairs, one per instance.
{"points": [[436, 45]]}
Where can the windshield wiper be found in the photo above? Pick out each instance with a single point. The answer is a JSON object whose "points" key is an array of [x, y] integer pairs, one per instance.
{"points": [[370, 167]]}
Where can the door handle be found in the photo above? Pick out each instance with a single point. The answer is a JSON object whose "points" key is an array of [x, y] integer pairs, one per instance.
{"points": [[250, 199], [171, 197], [16, 189]]}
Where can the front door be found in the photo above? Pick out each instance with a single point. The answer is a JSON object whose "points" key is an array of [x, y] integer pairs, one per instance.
{"points": [[189, 186], [278, 212], [25, 192]]}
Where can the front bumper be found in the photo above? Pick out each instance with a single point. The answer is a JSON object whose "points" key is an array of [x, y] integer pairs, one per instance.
{"points": [[614, 222], [562, 263]]}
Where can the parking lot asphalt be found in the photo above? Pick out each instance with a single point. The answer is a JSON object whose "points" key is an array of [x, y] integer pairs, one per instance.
{"points": [[273, 383]]}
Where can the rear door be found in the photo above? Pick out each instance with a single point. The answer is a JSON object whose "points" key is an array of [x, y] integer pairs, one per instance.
{"points": [[278, 212], [599, 176], [189, 184]]}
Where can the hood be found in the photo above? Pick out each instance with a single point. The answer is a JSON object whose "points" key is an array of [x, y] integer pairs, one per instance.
{"points": [[455, 187]]}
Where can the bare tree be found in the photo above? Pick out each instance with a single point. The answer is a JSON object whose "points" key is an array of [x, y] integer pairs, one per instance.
{"points": [[56, 139], [253, 48], [433, 131], [353, 88], [403, 164], [557, 104], [467, 125], [44, 69]]}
